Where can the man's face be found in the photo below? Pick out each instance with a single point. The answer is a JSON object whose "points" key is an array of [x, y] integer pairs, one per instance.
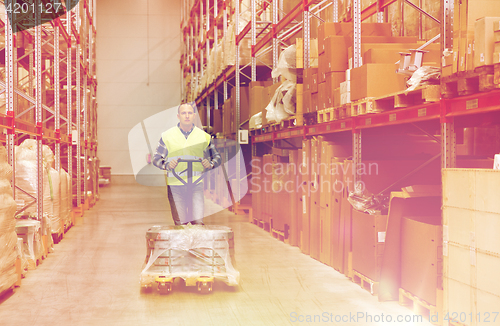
{"points": [[186, 115]]}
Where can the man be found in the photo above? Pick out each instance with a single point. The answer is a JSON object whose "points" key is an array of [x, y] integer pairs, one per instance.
{"points": [[185, 141]]}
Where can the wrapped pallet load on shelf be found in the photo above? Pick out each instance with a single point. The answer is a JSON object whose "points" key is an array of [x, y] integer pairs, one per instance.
{"points": [[22, 256], [30, 231], [8, 236], [26, 179], [282, 104], [64, 208]]}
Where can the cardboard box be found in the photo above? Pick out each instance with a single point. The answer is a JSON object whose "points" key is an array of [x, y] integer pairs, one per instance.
{"points": [[484, 41], [328, 29], [326, 199], [244, 107], [368, 238], [337, 179], [422, 257], [307, 102], [256, 187], [266, 198], [308, 78], [336, 97], [387, 55], [257, 99], [313, 53], [227, 115], [345, 29], [294, 179], [333, 80], [217, 121], [314, 226], [322, 67], [314, 102], [496, 57], [345, 225], [470, 244], [314, 83], [336, 54], [280, 215], [306, 194], [322, 98], [368, 82]]}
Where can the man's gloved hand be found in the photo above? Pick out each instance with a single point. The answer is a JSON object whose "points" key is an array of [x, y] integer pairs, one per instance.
{"points": [[206, 164], [172, 164]]}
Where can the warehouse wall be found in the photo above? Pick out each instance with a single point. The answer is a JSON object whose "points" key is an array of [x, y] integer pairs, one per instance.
{"points": [[138, 52]]}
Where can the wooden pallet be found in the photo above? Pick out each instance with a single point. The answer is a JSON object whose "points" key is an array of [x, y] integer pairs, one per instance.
{"points": [[256, 132], [262, 224], [362, 107], [310, 118], [344, 111], [365, 283], [468, 82], [327, 115], [403, 99], [419, 306], [279, 235]]}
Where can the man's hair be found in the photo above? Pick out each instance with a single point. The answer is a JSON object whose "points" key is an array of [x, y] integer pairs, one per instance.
{"points": [[191, 104]]}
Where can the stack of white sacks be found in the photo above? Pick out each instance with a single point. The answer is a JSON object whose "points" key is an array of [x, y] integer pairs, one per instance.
{"points": [[8, 236], [54, 209]]}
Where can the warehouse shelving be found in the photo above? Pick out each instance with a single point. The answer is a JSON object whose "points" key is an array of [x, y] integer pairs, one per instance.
{"points": [[55, 102]]}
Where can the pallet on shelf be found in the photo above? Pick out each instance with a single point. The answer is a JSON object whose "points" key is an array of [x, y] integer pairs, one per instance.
{"points": [[363, 106], [327, 115], [420, 95], [420, 307], [344, 111], [468, 82], [365, 283]]}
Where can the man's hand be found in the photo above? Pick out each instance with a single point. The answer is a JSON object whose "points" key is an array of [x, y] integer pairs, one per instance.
{"points": [[172, 164], [206, 164]]}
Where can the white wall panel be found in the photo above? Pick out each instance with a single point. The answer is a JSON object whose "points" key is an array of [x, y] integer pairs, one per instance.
{"points": [[138, 52]]}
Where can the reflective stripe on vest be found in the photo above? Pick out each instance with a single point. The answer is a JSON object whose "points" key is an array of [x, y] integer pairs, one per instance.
{"points": [[191, 148]]}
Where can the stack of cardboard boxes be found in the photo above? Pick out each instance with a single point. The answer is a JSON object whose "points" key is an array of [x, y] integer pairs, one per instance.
{"points": [[329, 85], [496, 36], [473, 36]]}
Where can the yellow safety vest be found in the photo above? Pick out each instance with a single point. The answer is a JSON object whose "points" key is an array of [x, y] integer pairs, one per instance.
{"points": [[191, 148]]}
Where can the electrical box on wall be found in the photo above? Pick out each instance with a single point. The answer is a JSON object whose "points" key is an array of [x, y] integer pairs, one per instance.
{"points": [[243, 134]]}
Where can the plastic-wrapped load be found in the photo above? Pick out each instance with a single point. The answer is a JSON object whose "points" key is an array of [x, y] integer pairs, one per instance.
{"points": [[189, 252], [282, 104], [29, 231], [219, 60], [373, 205], [426, 75], [64, 208], [22, 257], [287, 64], [27, 176], [256, 121], [230, 46], [55, 196], [8, 237]]}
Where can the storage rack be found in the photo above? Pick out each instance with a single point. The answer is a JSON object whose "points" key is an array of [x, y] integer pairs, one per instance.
{"points": [[480, 105], [35, 103]]}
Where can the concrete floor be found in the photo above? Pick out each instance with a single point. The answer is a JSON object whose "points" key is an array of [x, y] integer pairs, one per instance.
{"points": [[92, 278]]}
